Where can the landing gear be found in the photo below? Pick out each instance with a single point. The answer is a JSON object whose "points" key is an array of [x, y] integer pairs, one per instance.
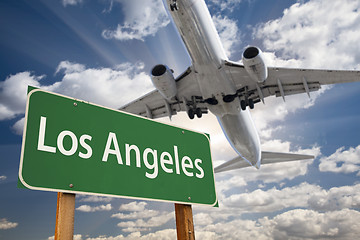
{"points": [[198, 112], [192, 108], [192, 112], [245, 103], [173, 6], [251, 104]]}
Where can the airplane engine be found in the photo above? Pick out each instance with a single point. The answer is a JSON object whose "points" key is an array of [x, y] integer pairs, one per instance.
{"points": [[164, 81], [254, 64]]}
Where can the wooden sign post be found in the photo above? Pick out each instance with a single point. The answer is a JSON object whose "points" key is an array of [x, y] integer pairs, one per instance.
{"points": [[64, 227], [184, 222]]}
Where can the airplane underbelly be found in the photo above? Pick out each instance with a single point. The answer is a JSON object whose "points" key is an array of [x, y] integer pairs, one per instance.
{"points": [[242, 135]]}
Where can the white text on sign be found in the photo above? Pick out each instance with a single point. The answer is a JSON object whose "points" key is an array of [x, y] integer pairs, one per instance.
{"points": [[169, 163]]}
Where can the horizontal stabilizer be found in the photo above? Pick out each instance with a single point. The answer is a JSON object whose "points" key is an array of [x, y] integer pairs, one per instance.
{"points": [[274, 157], [266, 158]]}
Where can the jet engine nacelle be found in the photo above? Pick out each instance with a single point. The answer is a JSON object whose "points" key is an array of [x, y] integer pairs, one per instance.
{"points": [[254, 64], [164, 81]]}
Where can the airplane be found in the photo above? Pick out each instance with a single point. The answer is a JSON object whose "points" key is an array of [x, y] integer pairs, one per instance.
{"points": [[226, 88]]}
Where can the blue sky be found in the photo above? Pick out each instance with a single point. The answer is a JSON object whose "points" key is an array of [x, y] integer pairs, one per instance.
{"points": [[102, 51]]}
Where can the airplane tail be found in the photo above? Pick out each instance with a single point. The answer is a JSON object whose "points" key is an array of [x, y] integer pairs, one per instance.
{"points": [[266, 158]]}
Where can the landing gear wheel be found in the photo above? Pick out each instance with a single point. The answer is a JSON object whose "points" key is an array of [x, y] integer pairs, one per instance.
{"points": [[198, 112], [251, 104], [243, 105], [173, 6], [191, 114]]}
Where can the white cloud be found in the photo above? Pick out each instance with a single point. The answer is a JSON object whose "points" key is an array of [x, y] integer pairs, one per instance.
{"points": [[144, 219], [145, 225], [75, 237], [166, 234], [87, 208], [142, 19], [293, 224], [228, 5], [228, 32], [5, 224], [133, 206], [13, 93], [320, 34], [69, 67], [308, 224], [18, 127], [146, 213], [104, 86], [71, 2], [3, 178], [202, 219], [92, 198], [335, 198], [302, 196], [342, 161]]}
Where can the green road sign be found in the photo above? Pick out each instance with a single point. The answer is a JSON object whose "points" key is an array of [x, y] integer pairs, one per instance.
{"points": [[77, 147]]}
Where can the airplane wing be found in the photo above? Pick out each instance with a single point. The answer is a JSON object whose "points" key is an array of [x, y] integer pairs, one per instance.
{"points": [[154, 105], [282, 82]]}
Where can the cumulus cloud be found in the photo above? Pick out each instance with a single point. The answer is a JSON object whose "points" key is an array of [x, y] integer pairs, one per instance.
{"points": [[304, 195], [294, 224], [228, 32], [133, 206], [94, 198], [3, 178], [228, 5], [104, 86], [145, 225], [166, 234], [5, 224], [140, 22], [320, 34], [140, 218], [342, 161], [87, 208], [309, 224], [75, 237], [146, 213], [13, 93]]}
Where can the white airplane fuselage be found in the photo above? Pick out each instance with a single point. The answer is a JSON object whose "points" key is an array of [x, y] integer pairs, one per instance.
{"points": [[194, 23]]}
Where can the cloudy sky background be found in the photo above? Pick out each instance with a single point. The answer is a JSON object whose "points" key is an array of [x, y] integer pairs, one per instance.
{"points": [[102, 51]]}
